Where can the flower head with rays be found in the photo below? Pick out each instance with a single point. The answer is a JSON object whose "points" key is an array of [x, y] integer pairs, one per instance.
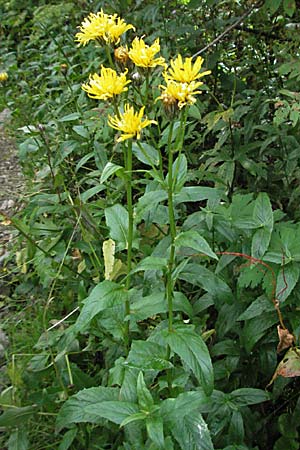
{"points": [[3, 76], [181, 94], [105, 28], [185, 71], [106, 85], [143, 55], [130, 123]]}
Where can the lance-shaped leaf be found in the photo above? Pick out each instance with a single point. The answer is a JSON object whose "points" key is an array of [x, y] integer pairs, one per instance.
{"points": [[263, 217], [191, 432], [109, 170], [106, 295], [193, 240], [192, 350], [117, 221], [148, 355]]}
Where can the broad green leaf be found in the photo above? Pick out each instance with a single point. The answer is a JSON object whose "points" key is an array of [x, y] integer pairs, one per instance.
{"points": [[256, 308], [193, 351], [74, 409], [81, 130], [69, 117], [254, 329], [117, 221], [173, 409], [115, 411], [146, 153], [153, 304], [86, 195], [286, 280], [198, 193], [151, 263], [68, 439], [106, 295], [109, 170], [236, 430], [179, 173], [144, 396], [272, 5], [248, 396], [155, 430], [134, 418], [263, 217], [18, 440], [149, 201], [289, 7], [148, 355], [193, 240], [199, 275], [17, 415], [191, 433]]}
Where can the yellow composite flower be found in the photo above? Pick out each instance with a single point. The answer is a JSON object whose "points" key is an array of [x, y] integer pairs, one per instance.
{"points": [[3, 76], [143, 55], [106, 28], [130, 123], [181, 93], [106, 85], [185, 71]]}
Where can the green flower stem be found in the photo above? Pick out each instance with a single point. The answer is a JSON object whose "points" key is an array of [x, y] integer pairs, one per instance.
{"points": [[170, 284], [128, 168], [108, 54]]}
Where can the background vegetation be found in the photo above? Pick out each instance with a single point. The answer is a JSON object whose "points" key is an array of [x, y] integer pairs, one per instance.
{"points": [[206, 384]]}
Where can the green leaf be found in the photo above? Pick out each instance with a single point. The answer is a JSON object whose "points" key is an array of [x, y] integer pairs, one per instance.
{"points": [[109, 170], [86, 195], [173, 409], [74, 409], [17, 415], [149, 155], [272, 5], [18, 440], [254, 329], [106, 295], [115, 411], [199, 275], [149, 201], [256, 308], [148, 355], [69, 117], [248, 396], [179, 173], [151, 263], [286, 280], [193, 351], [236, 430], [68, 439], [117, 221], [81, 130], [145, 399], [289, 7], [193, 240], [198, 193], [263, 216], [155, 430], [191, 433], [156, 303]]}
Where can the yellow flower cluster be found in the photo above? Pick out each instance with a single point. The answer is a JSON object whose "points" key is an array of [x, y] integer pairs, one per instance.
{"points": [[106, 85], [3, 76], [144, 55], [129, 123], [106, 28], [181, 85]]}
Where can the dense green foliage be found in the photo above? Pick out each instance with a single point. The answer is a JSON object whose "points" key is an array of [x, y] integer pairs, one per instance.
{"points": [[196, 377]]}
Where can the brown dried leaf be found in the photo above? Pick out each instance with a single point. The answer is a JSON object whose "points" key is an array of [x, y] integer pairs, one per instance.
{"points": [[286, 339]]}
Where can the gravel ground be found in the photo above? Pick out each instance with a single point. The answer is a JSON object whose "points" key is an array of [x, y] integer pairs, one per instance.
{"points": [[11, 182]]}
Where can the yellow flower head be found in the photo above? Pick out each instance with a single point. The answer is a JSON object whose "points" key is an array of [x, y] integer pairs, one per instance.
{"points": [[129, 123], [181, 93], [3, 76], [185, 71], [143, 55], [102, 27], [106, 85]]}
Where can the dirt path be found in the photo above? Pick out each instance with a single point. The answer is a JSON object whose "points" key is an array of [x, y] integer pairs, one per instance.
{"points": [[11, 181]]}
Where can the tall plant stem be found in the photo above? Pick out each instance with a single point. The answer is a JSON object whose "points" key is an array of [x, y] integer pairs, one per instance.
{"points": [[170, 284], [128, 167]]}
